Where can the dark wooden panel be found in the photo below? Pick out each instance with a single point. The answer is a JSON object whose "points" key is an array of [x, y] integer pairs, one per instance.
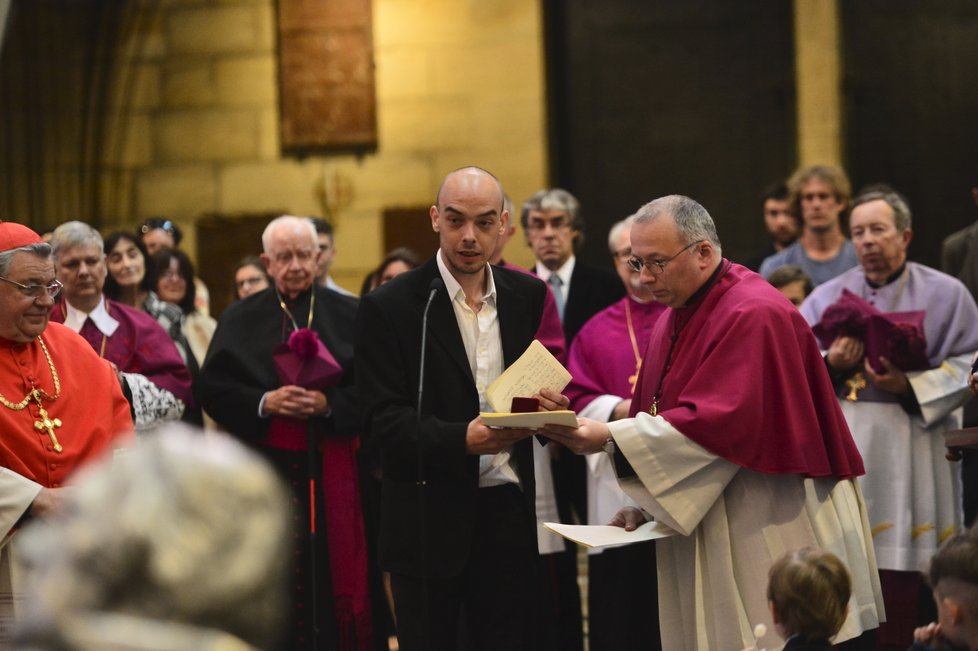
{"points": [[222, 240], [326, 76], [648, 98], [410, 227], [910, 104]]}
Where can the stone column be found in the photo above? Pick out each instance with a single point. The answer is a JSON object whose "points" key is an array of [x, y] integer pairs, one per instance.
{"points": [[818, 75]]}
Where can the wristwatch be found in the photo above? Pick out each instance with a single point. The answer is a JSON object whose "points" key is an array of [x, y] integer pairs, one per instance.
{"points": [[609, 445]]}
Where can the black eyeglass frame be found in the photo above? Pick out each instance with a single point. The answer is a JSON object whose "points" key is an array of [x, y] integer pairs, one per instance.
{"points": [[657, 267]]}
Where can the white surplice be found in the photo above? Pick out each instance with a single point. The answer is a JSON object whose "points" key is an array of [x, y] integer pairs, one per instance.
{"points": [[913, 493], [734, 523]]}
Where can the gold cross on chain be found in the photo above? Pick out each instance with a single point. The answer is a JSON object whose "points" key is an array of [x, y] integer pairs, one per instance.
{"points": [[855, 383], [46, 423]]}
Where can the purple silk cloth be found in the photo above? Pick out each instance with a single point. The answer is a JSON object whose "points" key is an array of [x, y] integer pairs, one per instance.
{"points": [[601, 359], [550, 332], [747, 382], [139, 345], [950, 323]]}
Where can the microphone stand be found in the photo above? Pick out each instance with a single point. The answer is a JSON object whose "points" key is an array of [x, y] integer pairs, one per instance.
{"points": [[422, 526]]}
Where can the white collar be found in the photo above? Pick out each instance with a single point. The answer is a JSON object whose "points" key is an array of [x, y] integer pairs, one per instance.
{"points": [[75, 318], [453, 287], [563, 272]]}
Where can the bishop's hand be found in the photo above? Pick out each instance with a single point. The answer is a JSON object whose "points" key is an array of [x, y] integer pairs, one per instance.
{"points": [[629, 517], [589, 435]]}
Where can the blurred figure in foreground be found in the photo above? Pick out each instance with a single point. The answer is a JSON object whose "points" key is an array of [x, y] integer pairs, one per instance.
{"points": [[179, 544], [953, 576]]}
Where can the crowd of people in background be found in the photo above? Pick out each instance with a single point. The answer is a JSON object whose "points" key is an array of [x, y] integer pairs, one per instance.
{"points": [[870, 353]]}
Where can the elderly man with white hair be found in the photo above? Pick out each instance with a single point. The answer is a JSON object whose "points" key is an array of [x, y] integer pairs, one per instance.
{"points": [[241, 388]]}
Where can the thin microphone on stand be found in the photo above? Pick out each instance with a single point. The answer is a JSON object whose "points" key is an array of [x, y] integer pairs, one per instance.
{"points": [[436, 284]]}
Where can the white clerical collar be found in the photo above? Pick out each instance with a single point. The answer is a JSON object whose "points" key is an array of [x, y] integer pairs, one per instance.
{"points": [[563, 272], [75, 318], [453, 287]]}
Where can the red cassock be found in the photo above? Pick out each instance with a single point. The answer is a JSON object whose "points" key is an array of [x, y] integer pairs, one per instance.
{"points": [[94, 414], [723, 373]]}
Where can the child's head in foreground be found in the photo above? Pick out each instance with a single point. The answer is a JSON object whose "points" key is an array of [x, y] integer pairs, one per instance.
{"points": [[808, 592], [953, 576]]}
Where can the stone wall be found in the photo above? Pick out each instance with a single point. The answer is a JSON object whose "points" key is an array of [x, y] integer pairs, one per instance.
{"points": [[458, 82]]}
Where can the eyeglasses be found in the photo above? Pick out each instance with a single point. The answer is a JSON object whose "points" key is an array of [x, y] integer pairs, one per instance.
{"points": [[657, 267], [249, 282], [169, 274], [559, 222], [36, 291]]}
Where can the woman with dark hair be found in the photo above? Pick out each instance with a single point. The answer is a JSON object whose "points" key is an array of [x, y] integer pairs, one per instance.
{"points": [[397, 262], [394, 264], [159, 233], [250, 277], [131, 280], [174, 273], [175, 285]]}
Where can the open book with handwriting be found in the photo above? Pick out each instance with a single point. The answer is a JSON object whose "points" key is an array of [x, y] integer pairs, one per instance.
{"points": [[535, 369]]}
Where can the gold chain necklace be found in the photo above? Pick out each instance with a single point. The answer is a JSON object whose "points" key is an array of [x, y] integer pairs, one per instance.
{"points": [[31, 394], [288, 313], [633, 379], [46, 424]]}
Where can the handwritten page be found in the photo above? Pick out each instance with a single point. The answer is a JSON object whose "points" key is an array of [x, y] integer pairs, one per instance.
{"points": [[604, 535], [530, 420], [536, 368]]}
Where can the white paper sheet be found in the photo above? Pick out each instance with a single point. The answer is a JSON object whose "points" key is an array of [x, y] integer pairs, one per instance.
{"points": [[603, 535]]}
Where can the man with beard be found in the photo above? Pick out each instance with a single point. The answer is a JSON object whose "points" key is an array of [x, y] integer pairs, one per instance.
{"points": [[820, 194], [781, 225], [457, 530]]}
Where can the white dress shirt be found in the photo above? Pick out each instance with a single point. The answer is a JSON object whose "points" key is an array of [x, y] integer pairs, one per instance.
{"points": [[484, 349]]}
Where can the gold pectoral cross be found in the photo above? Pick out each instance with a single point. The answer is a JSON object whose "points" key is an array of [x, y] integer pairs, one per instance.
{"points": [[855, 383], [46, 423], [654, 409]]}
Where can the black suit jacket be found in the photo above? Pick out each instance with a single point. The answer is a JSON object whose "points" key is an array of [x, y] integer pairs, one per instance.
{"points": [[591, 290], [959, 257], [387, 358]]}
